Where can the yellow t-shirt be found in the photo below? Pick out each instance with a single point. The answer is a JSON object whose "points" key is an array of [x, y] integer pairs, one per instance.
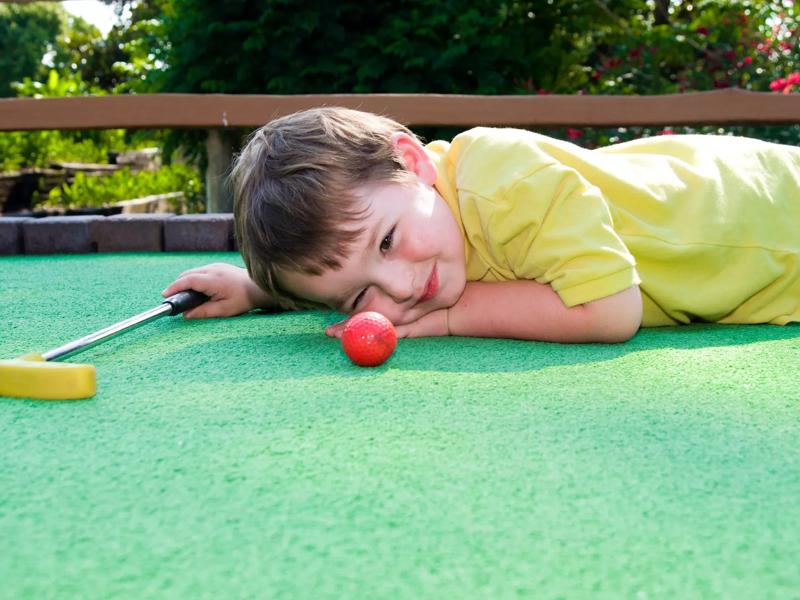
{"points": [[708, 226]]}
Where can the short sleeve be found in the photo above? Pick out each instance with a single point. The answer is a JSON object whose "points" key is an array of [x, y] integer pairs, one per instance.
{"points": [[554, 227]]}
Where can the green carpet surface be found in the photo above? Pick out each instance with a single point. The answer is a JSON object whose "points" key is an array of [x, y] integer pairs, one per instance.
{"points": [[247, 458]]}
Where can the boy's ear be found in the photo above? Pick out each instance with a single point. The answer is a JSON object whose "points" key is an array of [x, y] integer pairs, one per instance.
{"points": [[414, 156]]}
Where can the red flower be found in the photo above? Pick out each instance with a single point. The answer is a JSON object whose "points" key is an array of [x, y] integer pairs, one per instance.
{"points": [[785, 85], [574, 134], [778, 85], [702, 30], [666, 131], [747, 60]]}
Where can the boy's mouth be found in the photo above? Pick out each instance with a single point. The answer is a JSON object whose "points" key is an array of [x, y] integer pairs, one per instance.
{"points": [[431, 287]]}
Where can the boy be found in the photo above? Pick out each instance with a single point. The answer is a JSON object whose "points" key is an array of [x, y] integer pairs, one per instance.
{"points": [[508, 233]]}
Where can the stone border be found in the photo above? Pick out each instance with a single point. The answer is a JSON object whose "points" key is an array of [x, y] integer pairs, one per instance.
{"points": [[157, 232]]}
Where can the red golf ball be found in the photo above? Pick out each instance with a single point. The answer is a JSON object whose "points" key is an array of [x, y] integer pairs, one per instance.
{"points": [[369, 339]]}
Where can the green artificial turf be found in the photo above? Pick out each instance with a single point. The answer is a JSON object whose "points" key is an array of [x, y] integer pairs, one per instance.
{"points": [[247, 458]]}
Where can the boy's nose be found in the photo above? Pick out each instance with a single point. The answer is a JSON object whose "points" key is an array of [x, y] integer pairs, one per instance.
{"points": [[398, 283]]}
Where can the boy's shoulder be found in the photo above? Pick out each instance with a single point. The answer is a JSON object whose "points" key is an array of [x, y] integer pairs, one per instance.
{"points": [[496, 136], [483, 158]]}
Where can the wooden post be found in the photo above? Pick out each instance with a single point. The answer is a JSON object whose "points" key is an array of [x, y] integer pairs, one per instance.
{"points": [[219, 196]]}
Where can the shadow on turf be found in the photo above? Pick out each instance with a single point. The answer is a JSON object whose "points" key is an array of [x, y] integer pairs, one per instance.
{"points": [[299, 355], [489, 355]]}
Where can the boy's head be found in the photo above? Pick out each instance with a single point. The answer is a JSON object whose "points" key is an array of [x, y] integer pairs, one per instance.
{"points": [[294, 184], [337, 207]]}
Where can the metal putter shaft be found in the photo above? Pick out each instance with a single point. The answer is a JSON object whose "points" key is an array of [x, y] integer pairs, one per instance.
{"points": [[174, 305], [35, 376]]}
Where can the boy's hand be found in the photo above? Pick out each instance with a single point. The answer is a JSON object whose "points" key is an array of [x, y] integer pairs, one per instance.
{"points": [[430, 325], [230, 289]]}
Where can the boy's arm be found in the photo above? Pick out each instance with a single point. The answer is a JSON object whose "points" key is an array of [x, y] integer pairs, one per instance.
{"points": [[529, 310]]}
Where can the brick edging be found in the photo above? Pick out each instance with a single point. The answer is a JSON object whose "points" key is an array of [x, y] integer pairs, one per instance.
{"points": [[118, 233]]}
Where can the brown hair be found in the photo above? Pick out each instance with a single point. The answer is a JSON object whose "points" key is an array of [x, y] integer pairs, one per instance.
{"points": [[293, 183]]}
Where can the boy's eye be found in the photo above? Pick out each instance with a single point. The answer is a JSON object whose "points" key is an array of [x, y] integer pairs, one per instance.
{"points": [[386, 243], [359, 298]]}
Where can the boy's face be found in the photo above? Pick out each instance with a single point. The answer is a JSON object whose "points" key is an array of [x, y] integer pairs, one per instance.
{"points": [[408, 262]]}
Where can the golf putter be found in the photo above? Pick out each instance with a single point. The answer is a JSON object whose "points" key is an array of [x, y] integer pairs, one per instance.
{"points": [[35, 376]]}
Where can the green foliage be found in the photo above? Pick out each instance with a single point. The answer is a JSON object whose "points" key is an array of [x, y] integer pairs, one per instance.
{"points": [[40, 148], [445, 46], [698, 45], [77, 51], [98, 191], [144, 45], [55, 86], [704, 45], [122, 61], [26, 30]]}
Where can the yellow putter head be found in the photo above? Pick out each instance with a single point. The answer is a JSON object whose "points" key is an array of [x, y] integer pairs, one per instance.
{"points": [[30, 376]]}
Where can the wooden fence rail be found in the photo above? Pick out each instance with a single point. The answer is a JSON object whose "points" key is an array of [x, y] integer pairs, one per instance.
{"points": [[223, 110], [216, 112]]}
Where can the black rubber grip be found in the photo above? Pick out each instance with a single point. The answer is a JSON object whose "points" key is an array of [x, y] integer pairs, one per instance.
{"points": [[185, 300]]}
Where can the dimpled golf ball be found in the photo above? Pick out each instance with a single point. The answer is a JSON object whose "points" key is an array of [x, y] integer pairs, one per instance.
{"points": [[369, 339]]}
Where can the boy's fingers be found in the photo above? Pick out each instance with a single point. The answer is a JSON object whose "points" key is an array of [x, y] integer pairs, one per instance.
{"points": [[403, 330], [209, 310], [198, 313], [196, 282], [336, 330], [174, 287]]}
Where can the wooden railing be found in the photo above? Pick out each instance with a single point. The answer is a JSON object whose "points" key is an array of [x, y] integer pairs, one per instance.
{"points": [[216, 112], [223, 110]]}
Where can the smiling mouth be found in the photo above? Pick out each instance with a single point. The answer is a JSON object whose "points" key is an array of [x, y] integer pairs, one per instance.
{"points": [[432, 286]]}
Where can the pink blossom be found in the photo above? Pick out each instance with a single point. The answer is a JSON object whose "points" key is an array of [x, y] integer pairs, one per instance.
{"points": [[778, 85], [666, 131]]}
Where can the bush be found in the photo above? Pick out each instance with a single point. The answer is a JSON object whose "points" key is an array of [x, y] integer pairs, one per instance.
{"points": [[702, 45], [40, 148], [102, 190]]}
